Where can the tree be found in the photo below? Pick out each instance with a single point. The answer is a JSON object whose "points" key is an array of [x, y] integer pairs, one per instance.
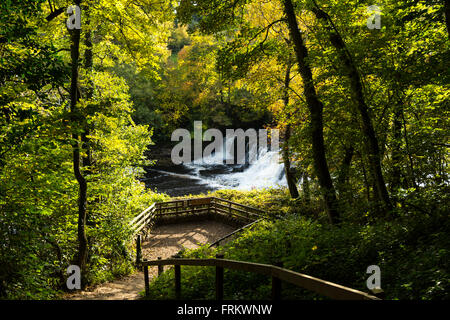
{"points": [[315, 107], [359, 99]]}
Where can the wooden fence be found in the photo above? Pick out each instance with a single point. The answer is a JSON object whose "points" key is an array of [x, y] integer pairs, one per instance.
{"points": [[143, 219], [217, 242], [207, 205], [213, 205], [278, 274], [186, 207]]}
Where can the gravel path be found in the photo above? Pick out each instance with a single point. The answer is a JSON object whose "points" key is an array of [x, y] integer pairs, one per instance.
{"points": [[164, 241]]}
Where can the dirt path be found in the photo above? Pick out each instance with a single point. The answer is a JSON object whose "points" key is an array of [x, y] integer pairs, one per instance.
{"points": [[164, 241]]}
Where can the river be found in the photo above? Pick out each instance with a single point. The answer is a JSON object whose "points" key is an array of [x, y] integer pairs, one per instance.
{"points": [[208, 174]]}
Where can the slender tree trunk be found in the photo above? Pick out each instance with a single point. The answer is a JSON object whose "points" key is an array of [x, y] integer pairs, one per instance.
{"points": [[76, 120], [447, 15], [408, 150], [366, 181], [315, 107], [344, 171], [287, 134], [396, 147], [88, 64], [371, 140], [291, 181]]}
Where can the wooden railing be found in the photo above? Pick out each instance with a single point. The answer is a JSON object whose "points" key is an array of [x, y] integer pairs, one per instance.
{"points": [[217, 242], [143, 219], [195, 206], [208, 205], [278, 274], [177, 208]]}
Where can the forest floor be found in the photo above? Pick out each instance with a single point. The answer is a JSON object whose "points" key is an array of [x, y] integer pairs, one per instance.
{"points": [[164, 241]]}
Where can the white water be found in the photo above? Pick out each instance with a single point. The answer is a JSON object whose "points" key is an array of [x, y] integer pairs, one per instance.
{"points": [[265, 172]]}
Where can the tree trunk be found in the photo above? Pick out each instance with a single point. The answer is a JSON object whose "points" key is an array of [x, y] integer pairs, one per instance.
{"points": [[75, 118], [366, 181], [344, 171], [315, 107], [447, 15], [88, 64], [396, 147], [371, 140], [408, 150], [291, 181]]}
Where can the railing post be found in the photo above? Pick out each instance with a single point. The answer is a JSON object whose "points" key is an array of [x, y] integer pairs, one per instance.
{"points": [[219, 279], [138, 250], [214, 205], [160, 268], [276, 285], [177, 281], [229, 209], [146, 280]]}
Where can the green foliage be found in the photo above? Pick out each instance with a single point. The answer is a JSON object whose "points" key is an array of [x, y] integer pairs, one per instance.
{"points": [[225, 66], [412, 252], [38, 190]]}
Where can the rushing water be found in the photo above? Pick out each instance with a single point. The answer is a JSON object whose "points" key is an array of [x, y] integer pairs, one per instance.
{"points": [[211, 173]]}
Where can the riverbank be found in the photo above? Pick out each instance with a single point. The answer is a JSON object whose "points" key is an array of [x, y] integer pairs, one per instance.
{"points": [[201, 176]]}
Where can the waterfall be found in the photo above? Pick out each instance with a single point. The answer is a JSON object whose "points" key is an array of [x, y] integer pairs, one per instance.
{"points": [[264, 172]]}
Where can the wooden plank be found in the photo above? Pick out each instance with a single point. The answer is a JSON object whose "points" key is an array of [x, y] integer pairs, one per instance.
{"points": [[200, 201], [137, 227], [246, 266], [146, 280], [175, 213], [138, 217], [276, 286], [276, 289], [175, 208], [144, 219], [229, 208], [203, 205], [160, 268], [240, 205], [141, 226], [326, 288], [234, 232], [138, 250], [219, 280], [234, 214], [171, 202], [182, 261]]}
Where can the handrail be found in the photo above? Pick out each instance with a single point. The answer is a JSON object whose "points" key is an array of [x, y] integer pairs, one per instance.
{"points": [[139, 222], [142, 213], [239, 204], [208, 204], [326, 288], [191, 206], [234, 232]]}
